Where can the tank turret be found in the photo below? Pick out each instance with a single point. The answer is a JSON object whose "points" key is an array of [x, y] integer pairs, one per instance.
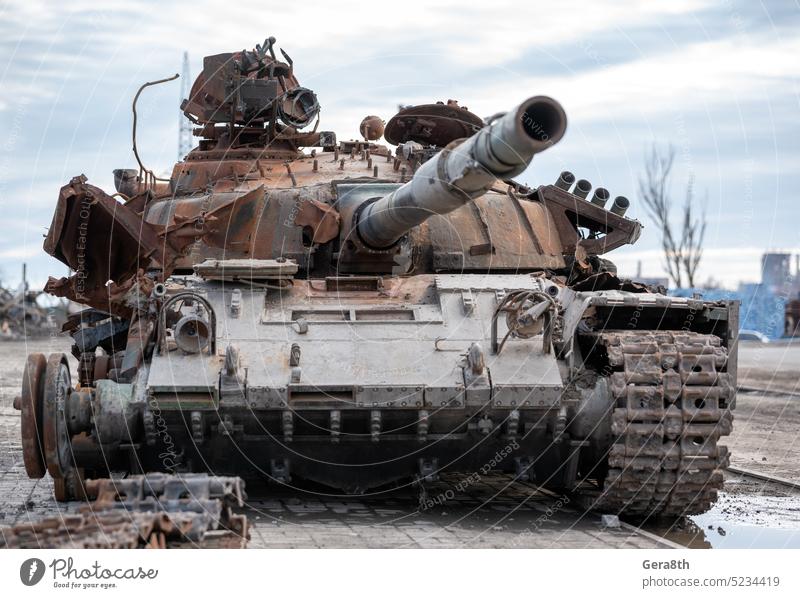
{"points": [[459, 174]]}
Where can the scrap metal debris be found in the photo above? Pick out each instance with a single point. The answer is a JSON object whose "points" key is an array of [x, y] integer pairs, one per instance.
{"points": [[149, 511], [22, 316]]}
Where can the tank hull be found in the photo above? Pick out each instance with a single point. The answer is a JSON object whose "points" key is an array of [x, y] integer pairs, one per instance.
{"points": [[365, 384]]}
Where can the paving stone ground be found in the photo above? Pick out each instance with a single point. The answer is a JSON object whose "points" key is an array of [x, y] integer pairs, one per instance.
{"points": [[483, 517]]}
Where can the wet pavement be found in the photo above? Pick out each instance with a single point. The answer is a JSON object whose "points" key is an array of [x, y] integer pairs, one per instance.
{"points": [[738, 522], [749, 513], [752, 522]]}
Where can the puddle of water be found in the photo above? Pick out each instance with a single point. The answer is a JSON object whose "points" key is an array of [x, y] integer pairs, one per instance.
{"points": [[741, 521], [749, 536], [752, 521]]}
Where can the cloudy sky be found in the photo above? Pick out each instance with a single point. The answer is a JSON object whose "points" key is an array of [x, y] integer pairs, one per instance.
{"points": [[718, 80]]}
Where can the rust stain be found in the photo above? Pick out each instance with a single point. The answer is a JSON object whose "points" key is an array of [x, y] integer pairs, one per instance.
{"points": [[322, 219]]}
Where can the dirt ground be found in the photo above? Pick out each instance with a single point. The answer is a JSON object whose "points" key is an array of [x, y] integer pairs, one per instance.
{"points": [[773, 366], [766, 428]]}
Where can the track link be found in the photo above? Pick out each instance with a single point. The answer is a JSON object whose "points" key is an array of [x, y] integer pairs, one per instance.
{"points": [[673, 401], [149, 511]]}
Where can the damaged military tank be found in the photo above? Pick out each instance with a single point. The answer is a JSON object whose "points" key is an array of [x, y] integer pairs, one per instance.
{"points": [[368, 313]]}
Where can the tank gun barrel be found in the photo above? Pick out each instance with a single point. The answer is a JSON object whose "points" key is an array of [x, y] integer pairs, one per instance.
{"points": [[457, 175]]}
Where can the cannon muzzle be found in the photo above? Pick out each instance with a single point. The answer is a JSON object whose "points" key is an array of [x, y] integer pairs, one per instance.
{"points": [[457, 175]]}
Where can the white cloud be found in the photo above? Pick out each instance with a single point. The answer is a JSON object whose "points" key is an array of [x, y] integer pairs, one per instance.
{"points": [[477, 34], [694, 76], [482, 34], [20, 253]]}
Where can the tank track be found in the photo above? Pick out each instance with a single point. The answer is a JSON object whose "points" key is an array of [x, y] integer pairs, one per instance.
{"points": [[673, 400], [148, 511]]}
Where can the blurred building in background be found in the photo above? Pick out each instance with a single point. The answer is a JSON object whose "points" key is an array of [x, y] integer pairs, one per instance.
{"points": [[771, 306], [776, 272]]}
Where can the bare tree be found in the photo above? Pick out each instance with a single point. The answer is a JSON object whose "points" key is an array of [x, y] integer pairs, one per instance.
{"points": [[693, 234], [683, 248], [654, 189]]}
